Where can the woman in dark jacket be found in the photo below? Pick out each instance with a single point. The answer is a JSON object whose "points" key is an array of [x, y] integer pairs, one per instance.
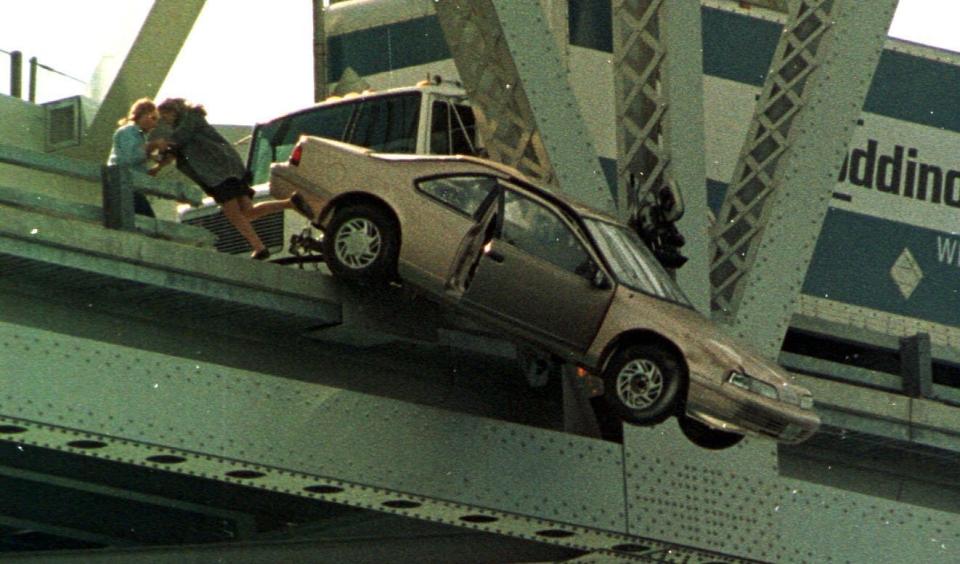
{"points": [[208, 159]]}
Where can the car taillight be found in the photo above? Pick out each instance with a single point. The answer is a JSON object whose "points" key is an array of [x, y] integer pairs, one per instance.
{"points": [[296, 154]]}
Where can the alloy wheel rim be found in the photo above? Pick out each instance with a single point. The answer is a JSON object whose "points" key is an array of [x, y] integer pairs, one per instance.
{"points": [[639, 383], [357, 243]]}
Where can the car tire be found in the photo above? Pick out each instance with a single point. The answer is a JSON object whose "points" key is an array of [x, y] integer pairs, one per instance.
{"points": [[705, 436], [362, 243], [642, 384]]}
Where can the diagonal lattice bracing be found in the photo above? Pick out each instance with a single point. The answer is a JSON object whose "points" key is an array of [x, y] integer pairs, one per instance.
{"points": [[487, 69], [743, 212], [640, 103], [780, 190], [514, 72]]}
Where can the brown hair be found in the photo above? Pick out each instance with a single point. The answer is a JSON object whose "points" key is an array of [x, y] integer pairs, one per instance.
{"points": [[140, 107], [179, 105]]}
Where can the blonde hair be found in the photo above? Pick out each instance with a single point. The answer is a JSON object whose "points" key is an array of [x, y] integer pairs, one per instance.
{"points": [[179, 106], [140, 107]]}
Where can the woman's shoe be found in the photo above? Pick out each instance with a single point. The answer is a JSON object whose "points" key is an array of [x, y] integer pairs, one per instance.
{"points": [[300, 204], [262, 254]]}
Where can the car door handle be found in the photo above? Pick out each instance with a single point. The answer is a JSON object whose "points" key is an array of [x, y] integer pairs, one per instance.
{"points": [[495, 256]]}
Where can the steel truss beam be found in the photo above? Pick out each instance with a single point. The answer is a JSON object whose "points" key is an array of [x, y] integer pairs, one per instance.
{"points": [[514, 72], [658, 86], [210, 421], [777, 199]]}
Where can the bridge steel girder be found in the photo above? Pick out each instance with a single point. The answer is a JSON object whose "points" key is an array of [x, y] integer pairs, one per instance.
{"points": [[144, 69], [655, 495], [658, 85], [211, 421], [320, 63], [514, 72], [774, 208]]}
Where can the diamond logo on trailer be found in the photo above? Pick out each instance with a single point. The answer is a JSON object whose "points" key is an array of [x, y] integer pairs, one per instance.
{"points": [[906, 273]]}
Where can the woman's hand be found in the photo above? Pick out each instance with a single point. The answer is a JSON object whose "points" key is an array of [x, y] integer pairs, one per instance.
{"points": [[157, 145]]}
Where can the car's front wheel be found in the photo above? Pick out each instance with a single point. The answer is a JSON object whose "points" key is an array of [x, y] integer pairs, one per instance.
{"points": [[362, 243], [707, 437], [642, 384]]}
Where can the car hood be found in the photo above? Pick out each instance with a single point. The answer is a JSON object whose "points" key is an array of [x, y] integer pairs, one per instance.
{"points": [[705, 343]]}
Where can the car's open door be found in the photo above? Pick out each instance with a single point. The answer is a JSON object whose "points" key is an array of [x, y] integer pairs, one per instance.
{"points": [[535, 274], [472, 245]]}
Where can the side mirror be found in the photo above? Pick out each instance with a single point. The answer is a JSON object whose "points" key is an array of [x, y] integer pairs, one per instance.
{"points": [[670, 201], [589, 270]]}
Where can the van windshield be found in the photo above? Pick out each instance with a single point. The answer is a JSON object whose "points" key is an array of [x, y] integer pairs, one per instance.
{"points": [[383, 123], [632, 263]]}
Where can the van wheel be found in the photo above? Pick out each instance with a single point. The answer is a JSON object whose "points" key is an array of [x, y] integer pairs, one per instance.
{"points": [[361, 243], [705, 436], [642, 384]]}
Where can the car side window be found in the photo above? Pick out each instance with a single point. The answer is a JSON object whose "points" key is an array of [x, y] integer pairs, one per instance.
{"points": [[463, 193], [535, 229]]}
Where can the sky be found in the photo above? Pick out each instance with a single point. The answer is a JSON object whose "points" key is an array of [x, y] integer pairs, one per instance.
{"points": [[248, 60]]}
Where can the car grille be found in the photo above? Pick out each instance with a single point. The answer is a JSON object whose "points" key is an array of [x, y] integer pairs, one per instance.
{"points": [[229, 240]]}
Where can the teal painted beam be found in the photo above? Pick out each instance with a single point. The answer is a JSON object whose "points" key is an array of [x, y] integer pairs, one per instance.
{"points": [[180, 232], [84, 170], [144, 69]]}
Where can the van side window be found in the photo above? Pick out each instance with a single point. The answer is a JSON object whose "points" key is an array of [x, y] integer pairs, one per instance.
{"points": [[452, 129], [330, 122], [274, 141], [389, 124]]}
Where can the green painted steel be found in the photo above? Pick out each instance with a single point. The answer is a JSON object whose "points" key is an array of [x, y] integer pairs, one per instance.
{"points": [[103, 261], [212, 421], [735, 502], [84, 170], [144, 69], [179, 232], [771, 216], [658, 85], [514, 72]]}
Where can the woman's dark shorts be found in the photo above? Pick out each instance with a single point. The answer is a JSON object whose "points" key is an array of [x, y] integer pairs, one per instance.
{"points": [[229, 189]]}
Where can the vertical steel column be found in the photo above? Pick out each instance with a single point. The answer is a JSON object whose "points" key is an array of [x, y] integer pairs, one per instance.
{"points": [[514, 73], [916, 365], [33, 80], [780, 191], [16, 74], [319, 52], [658, 84], [154, 51]]}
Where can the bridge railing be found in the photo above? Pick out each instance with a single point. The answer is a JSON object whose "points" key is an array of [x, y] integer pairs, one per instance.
{"points": [[118, 186]]}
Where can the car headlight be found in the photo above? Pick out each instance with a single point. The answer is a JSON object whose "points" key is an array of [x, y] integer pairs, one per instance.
{"points": [[749, 383]]}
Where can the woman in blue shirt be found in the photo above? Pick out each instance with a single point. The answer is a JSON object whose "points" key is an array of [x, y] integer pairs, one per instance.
{"points": [[130, 148]]}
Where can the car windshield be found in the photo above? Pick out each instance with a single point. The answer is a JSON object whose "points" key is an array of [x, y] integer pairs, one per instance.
{"points": [[632, 263]]}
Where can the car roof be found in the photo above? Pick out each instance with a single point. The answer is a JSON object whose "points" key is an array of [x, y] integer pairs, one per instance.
{"points": [[510, 173]]}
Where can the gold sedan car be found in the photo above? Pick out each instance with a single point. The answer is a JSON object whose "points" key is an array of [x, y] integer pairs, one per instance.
{"points": [[546, 271]]}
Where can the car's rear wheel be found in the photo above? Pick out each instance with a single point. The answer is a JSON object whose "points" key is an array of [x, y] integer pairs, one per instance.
{"points": [[705, 436], [642, 384], [362, 243]]}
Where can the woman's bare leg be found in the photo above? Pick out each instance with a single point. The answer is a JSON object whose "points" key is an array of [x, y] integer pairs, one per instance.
{"points": [[233, 210], [266, 208]]}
